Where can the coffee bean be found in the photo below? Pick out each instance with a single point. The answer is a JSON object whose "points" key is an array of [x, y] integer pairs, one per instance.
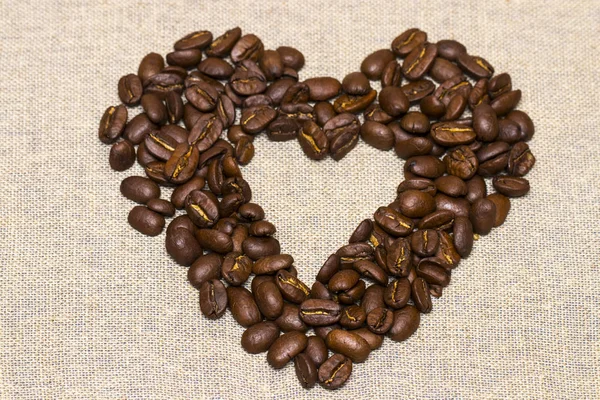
{"points": [[163, 207], [356, 84], [248, 47], [203, 96], [406, 322], [154, 108], [251, 212], [415, 203], [324, 88], [205, 268], [483, 215], [418, 90], [181, 192], [433, 272], [391, 74], [476, 189], [462, 232], [475, 66], [502, 207], [461, 162], [349, 344], [353, 294], [213, 299], [150, 65], [285, 348], [290, 320], [313, 141], [377, 135], [376, 114], [139, 189], [524, 121], [393, 101], [334, 372], [442, 69], [398, 259], [306, 371], [424, 242], [504, 103], [373, 65], [182, 245], [243, 307], [292, 289], [130, 89], [421, 296], [146, 221], [520, 160], [259, 337], [221, 46], [408, 41], [419, 61], [447, 252], [269, 300], [511, 186], [291, 57], [380, 320], [214, 240], [425, 166], [202, 208], [371, 270], [329, 268], [256, 119], [353, 317], [479, 94], [318, 312], [236, 268], [205, 133], [493, 158], [450, 49], [393, 222], [112, 124], [122, 155]]}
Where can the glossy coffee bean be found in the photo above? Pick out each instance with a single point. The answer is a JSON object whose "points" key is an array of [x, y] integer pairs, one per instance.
{"points": [[243, 307], [259, 337], [255, 247], [377, 135], [319, 312], [373, 65], [285, 348], [482, 216], [213, 299], [213, 240], [397, 293], [182, 245], [306, 370], [511, 186], [292, 289], [420, 295], [122, 155], [393, 101], [419, 61], [406, 322], [520, 160], [316, 350], [502, 207], [462, 232], [415, 203], [139, 189], [146, 221], [112, 124], [349, 344], [334, 372], [380, 320], [269, 300]]}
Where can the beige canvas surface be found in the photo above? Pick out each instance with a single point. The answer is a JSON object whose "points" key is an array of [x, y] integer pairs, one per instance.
{"points": [[91, 309]]}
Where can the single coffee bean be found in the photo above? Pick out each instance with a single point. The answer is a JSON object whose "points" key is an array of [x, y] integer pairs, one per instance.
{"points": [[408, 41], [316, 350], [258, 247], [377, 135], [440, 219], [130, 89], [485, 123], [318, 312], [216, 241], [479, 94], [343, 280], [425, 166], [511, 186], [182, 164], [458, 206], [320, 291], [450, 134], [393, 101], [418, 90], [313, 141], [334, 372], [353, 317], [112, 124], [415, 203], [136, 130], [122, 155], [373, 298], [353, 104], [306, 371], [205, 268], [244, 151], [329, 268], [323, 331], [195, 40], [356, 84], [475, 66], [222, 45], [292, 288], [502, 207], [342, 144], [419, 61], [251, 212], [139, 189], [184, 58], [248, 47], [462, 233], [376, 114], [203, 96], [393, 222], [380, 320], [398, 259], [163, 207], [202, 208], [236, 268], [181, 192], [256, 119], [415, 122], [476, 188], [442, 69], [461, 162], [259, 337], [505, 102], [154, 108], [213, 299], [373, 65], [362, 231], [150, 65], [499, 84], [262, 228], [422, 184], [391, 74], [285, 348], [450, 49], [272, 264], [243, 307], [349, 344], [451, 185], [525, 123], [447, 252], [290, 320], [291, 57], [406, 322], [182, 245], [520, 160], [353, 294], [483, 216], [323, 88], [424, 242], [146, 221], [433, 272], [421, 296], [269, 300], [397, 293], [371, 270]]}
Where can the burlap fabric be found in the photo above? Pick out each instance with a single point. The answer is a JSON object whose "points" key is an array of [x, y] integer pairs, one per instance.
{"points": [[91, 309]]}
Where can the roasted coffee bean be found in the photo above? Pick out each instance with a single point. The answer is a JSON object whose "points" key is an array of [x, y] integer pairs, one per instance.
{"points": [[285, 348], [393, 101], [182, 164], [324, 88], [181, 192], [203, 96], [461, 162], [455, 86], [154, 108], [397, 293], [422, 184], [272, 264], [130, 89], [511, 186], [421, 296], [262, 228], [433, 107], [255, 247], [447, 252], [493, 158], [236, 268], [462, 233], [362, 231], [136, 130], [190, 115], [318, 312], [236, 185], [343, 280], [216, 241], [476, 188], [195, 40], [433, 271], [419, 61], [205, 268], [371, 270], [256, 119], [353, 294], [417, 90], [441, 219], [269, 299], [163, 207], [499, 84], [329, 268], [160, 145], [424, 242], [257, 100], [479, 94], [415, 122], [451, 185], [320, 291], [313, 141], [525, 123], [356, 84], [222, 45], [306, 371], [112, 124], [213, 299], [373, 65], [259, 337], [271, 64], [184, 58], [292, 289], [353, 317], [156, 172], [202, 208], [291, 57], [216, 68], [316, 350], [244, 151], [205, 133], [391, 74], [483, 215], [377, 135], [353, 104], [376, 114], [182, 245], [235, 133], [408, 41], [380, 320], [475, 66], [502, 207], [342, 144], [520, 160], [323, 331], [248, 47], [150, 65], [442, 70], [399, 256], [393, 222], [406, 322], [450, 49], [122, 155], [349, 344], [146, 221], [243, 307], [139, 189], [251, 212], [457, 206], [415, 203], [334, 372], [450, 134], [504, 103], [373, 298], [425, 166], [290, 320]]}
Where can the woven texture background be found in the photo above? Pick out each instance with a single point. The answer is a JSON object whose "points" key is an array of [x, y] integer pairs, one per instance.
{"points": [[89, 308]]}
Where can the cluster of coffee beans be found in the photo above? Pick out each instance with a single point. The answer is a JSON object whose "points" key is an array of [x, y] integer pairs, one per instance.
{"points": [[406, 252]]}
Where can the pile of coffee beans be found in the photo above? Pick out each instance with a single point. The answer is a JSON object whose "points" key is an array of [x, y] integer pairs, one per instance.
{"points": [[378, 284]]}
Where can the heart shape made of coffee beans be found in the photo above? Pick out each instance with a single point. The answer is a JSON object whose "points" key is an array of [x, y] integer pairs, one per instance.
{"points": [[406, 252]]}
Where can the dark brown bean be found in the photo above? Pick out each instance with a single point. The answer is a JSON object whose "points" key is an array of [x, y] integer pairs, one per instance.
{"points": [[243, 307], [407, 41], [285, 348], [259, 337], [483, 216], [146, 221], [406, 322], [213, 299]]}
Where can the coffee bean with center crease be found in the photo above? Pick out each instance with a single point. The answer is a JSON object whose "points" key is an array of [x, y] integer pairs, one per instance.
{"points": [[146, 221], [380, 320], [433, 271], [259, 337], [248, 47], [243, 307], [130, 89], [408, 41], [334, 372], [393, 222], [511, 186], [421, 296], [313, 141], [262, 228], [393, 101], [418, 62], [520, 159], [504, 103], [236, 268], [461, 162], [371, 270], [160, 145], [424, 242], [524, 121], [399, 258], [323, 88], [485, 123], [292, 288], [203, 96], [353, 104], [202, 208], [349, 344], [290, 320], [356, 84], [397, 293], [269, 300], [112, 124], [285, 348], [271, 264], [213, 299], [353, 317], [306, 371], [319, 312], [475, 66], [182, 164]]}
